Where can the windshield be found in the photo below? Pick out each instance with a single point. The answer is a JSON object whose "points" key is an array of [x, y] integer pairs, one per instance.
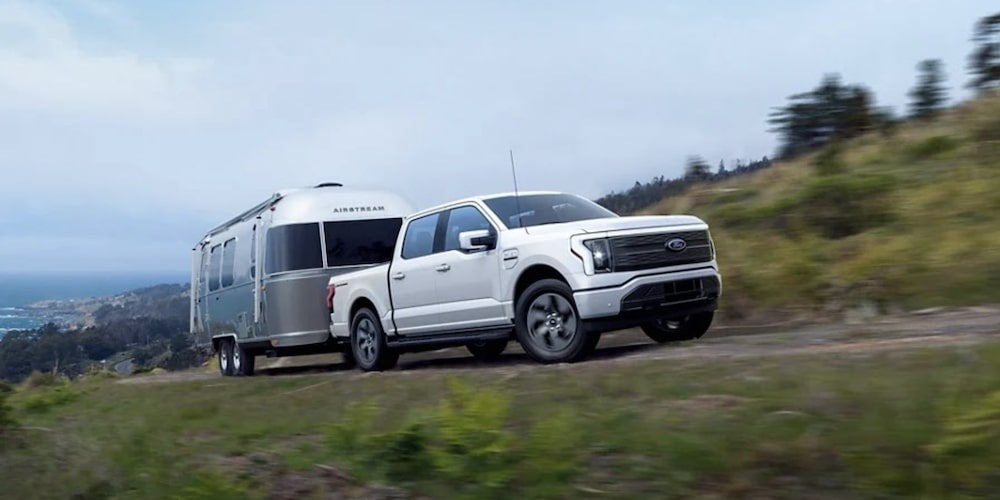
{"points": [[537, 209]]}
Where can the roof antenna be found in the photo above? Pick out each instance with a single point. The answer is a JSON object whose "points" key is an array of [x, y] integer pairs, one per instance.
{"points": [[517, 200]]}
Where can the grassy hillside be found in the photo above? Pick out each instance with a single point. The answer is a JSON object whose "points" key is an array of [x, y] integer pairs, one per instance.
{"points": [[905, 219], [921, 422]]}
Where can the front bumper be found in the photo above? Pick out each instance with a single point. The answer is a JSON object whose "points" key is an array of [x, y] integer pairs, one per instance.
{"points": [[652, 296]]}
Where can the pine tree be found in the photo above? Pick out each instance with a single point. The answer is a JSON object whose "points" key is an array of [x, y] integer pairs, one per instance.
{"points": [[696, 168], [984, 62], [930, 94], [830, 111]]}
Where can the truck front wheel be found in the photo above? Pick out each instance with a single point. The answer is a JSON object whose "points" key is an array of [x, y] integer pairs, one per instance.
{"points": [[687, 327], [548, 325], [368, 343]]}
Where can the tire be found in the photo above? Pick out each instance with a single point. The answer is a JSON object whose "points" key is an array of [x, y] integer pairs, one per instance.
{"points": [[592, 340], [548, 325], [226, 357], [368, 343], [347, 358], [688, 327], [243, 361], [487, 350]]}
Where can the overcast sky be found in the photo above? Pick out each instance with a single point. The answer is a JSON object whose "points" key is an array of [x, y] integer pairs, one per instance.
{"points": [[129, 129]]}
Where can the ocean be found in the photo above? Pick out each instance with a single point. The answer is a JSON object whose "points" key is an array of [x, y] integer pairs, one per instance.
{"points": [[20, 289]]}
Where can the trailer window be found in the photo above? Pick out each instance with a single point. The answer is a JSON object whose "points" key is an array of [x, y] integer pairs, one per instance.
{"points": [[293, 247], [360, 242], [214, 263], [228, 262], [253, 252]]}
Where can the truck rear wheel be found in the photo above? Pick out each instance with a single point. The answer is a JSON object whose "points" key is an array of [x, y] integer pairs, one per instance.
{"points": [[368, 343], [548, 325], [487, 350], [347, 358], [687, 327]]}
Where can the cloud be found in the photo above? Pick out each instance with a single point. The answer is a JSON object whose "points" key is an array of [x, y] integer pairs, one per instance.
{"points": [[157, 120], [44, 68]]}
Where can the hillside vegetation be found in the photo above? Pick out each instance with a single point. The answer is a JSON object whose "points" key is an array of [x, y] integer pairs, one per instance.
{"points": [[924, 423], [901, 218]]}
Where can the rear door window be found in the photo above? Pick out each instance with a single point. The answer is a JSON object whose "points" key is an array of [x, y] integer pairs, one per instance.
{"points": [[360, 242], [420, 236]]}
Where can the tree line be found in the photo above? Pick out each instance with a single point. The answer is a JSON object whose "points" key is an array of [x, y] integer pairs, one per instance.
{"points": [[642, 195], [51, 349], [834, 111], [148, 325]]}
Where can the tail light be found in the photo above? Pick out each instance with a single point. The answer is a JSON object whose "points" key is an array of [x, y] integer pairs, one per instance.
{"points": [[331, 290]]}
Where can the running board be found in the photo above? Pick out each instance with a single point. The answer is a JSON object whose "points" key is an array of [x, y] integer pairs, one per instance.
{"points": [[442, 340]]}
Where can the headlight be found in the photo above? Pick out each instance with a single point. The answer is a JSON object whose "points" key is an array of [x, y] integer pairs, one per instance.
{"points": [[601, 253]]}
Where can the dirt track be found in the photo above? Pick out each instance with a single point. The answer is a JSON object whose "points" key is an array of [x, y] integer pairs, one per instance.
{"points": [[956, 327]]}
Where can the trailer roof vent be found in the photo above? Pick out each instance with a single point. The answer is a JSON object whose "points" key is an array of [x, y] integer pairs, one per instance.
{"points": [[329, 185]]}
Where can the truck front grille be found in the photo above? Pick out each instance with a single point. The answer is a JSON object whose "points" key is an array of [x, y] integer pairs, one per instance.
{"points": [[649, 251], [672, 292]]}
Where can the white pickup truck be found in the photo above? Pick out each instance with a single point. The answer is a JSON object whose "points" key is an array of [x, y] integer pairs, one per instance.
{"points": [[552, 270]]}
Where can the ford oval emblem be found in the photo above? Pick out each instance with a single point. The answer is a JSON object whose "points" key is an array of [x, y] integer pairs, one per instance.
{"points": [[676, 245]]}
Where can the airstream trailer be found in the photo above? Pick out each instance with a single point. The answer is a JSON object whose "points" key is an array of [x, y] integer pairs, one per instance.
{"points": [[258, 281]]}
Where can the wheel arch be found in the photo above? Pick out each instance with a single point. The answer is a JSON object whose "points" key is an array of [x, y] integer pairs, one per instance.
{"points": [[216, 340], [534, 273], [359, 303]]}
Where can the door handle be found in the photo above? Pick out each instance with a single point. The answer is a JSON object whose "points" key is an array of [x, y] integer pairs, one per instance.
{"points": [[398, 276], [443, 268]]}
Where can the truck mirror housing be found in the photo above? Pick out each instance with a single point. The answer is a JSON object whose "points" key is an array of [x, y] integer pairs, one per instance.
{"points": [[477, 241]]}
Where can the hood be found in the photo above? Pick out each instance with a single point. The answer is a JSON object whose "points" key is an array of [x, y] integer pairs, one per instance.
{"points": [[617, 224]]}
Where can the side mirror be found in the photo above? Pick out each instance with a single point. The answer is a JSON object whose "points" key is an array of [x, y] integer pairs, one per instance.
{"points": [[477, 241]]}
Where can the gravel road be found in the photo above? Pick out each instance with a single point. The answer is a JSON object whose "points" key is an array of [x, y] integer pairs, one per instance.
{"points": [[933, 327]]}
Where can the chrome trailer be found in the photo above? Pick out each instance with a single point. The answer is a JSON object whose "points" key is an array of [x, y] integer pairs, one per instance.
{"points": [[258, 281]]}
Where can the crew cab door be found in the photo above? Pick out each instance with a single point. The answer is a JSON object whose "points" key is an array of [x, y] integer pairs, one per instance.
{"points": [[468, 282], [412, 277]]}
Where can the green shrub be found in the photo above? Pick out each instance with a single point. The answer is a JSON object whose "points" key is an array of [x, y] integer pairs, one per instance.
{"points": [[45, 400], [403, 455], [837, 206], [471, 445], [461, 441], [931, 147], [553, 453], [829, 161], [42, 379], [214, 486], [965, 455], [350, 436], [7, 422], [400, 455]]}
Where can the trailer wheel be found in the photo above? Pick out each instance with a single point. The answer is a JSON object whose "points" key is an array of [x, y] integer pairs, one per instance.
{"points": [[368, 343], [225, 357], [242, 361]]}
